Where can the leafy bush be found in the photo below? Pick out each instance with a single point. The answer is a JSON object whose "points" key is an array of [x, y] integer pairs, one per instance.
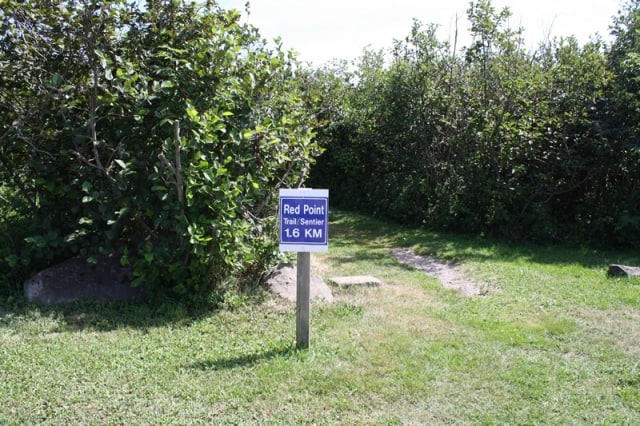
{"points": [[160, 133], [491, 138]]}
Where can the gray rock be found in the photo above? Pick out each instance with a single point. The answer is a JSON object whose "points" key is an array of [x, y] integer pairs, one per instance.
{"points": [[282, 280], [623, 271], [76, 279], [355, 281]]}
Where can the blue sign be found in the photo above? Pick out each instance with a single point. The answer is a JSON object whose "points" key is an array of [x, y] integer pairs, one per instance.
{"points": [[304, 220]]}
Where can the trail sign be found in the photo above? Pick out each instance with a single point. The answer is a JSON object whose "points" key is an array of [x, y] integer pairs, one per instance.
{"points": [[304, 220], [304, 226]]}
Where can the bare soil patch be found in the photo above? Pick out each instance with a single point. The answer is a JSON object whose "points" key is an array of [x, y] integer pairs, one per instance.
{"points": [[450, 275]]}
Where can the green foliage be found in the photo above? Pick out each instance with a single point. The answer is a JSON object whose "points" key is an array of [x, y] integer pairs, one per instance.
{"points": [[160, 132], [622, 120], [492, 138]]}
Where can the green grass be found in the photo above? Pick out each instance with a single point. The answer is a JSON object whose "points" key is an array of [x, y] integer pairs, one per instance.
{"points": [[554, 342]]}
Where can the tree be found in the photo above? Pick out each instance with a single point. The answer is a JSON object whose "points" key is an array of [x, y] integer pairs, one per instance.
{"points": [[621, 125], [494, 139]]}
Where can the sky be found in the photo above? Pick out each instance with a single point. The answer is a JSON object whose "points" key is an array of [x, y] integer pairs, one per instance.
{"points": [[322, 30]]}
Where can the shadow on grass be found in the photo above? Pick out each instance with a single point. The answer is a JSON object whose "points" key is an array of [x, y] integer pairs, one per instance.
{"points": [[242, 360], [350, 229], [367, 239], [103, 317]]}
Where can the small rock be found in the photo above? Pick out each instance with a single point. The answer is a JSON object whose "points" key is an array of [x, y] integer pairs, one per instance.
{"points": [[355, 281], [623, 271]]}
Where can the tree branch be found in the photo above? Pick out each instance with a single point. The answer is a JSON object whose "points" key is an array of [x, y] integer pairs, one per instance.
{"points": [[178, 167]]}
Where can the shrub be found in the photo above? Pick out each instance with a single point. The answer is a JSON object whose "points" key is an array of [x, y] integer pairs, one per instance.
{"points": [[160, 133]]}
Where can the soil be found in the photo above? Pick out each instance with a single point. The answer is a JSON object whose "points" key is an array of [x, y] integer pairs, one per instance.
{"points": [[450, 275]]}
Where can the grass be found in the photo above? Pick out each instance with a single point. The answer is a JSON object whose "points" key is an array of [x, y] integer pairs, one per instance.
{"points": [[553, 342]]}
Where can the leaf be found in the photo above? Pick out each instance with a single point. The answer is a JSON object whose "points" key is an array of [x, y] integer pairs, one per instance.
{"points": [[56, 80], [137, 282], [101, 57], [209, 175], [121, 164], [192, 112]]}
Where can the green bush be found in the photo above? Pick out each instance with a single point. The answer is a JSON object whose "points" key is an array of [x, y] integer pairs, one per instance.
{"points": [[161, 133], [491, 138]]}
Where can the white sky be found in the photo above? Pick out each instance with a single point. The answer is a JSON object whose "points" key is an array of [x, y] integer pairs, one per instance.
{"points": [[321, 30]]}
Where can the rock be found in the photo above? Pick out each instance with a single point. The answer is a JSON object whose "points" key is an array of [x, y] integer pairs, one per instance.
{"points": [[282, 280], [355, 281], [76, 279], [623, 271]]}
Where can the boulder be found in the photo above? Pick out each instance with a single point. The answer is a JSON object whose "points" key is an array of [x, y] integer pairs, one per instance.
{"points": [[77, 279], [623, 271], [282, 280]]}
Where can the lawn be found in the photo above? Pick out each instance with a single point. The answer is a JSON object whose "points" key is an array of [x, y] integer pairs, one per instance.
{"points": [[553, 341]]}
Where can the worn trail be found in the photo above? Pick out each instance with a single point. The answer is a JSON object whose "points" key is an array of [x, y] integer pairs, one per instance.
{"points": [[450, 275]]}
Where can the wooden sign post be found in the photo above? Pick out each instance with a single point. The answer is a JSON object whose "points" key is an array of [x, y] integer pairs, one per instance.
{"points": [[304, 226], [302, 299]]}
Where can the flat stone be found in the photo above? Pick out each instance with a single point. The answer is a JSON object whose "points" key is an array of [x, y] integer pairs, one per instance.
{"points": [[623, 271], [355, 281]]}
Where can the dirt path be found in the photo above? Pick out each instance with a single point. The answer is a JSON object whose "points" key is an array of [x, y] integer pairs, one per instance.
{"points": [[450, 275]]}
